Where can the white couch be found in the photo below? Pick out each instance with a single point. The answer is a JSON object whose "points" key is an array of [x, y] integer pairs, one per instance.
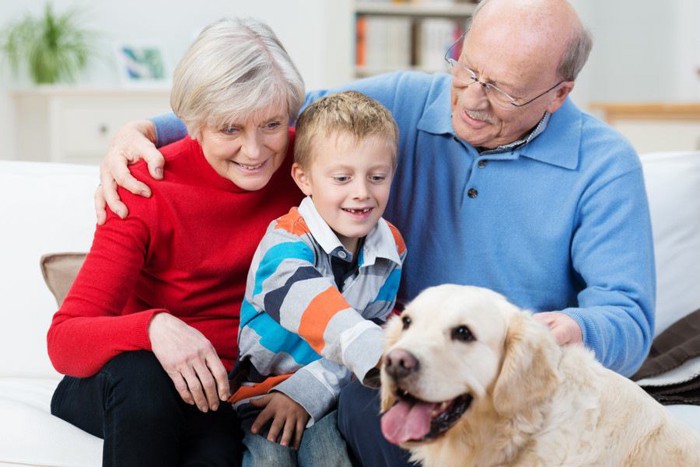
{"points": [[47, 208]]}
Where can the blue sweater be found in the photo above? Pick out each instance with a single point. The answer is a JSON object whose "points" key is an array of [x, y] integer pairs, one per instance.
{"points": [[559, 224]]}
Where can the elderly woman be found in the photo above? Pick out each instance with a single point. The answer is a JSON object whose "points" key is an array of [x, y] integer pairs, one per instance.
{"points": [[147, 334]]}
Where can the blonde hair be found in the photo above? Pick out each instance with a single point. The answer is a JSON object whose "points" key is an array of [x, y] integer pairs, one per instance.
{"points": [[235, 68], [347, 112]]}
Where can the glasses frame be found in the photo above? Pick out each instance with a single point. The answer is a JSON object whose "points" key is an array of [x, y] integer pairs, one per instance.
{"points": [[490, 86]]}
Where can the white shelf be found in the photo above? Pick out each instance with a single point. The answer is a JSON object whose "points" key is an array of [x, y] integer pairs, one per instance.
{"points": [[75, 123], [416, 10], [364, 71]]}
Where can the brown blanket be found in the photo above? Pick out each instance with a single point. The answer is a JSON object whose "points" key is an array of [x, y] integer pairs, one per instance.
{"points": [[676, 345]]}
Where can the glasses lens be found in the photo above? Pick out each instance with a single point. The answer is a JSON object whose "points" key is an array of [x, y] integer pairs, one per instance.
{"points": [[462, 75], [499, 98]]}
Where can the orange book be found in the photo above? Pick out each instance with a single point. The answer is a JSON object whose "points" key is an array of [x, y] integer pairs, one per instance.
{"points": [[360, 51]]}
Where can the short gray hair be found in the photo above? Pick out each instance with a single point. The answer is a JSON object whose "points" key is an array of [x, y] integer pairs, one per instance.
{"points": [[577, 51], [576, 55], [235, 68]]}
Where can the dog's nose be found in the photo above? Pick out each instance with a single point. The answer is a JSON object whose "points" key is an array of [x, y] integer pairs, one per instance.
{"points": [[399, 363]]}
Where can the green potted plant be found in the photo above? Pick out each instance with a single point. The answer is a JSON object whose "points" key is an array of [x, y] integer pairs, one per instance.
{"points": [[53, 47]]}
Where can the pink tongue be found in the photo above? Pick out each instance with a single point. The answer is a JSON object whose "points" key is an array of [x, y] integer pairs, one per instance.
{"points": [[405, 421]]}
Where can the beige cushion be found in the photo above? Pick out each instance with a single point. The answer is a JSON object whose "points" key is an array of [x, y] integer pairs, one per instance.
{"points": [[59, 271]]}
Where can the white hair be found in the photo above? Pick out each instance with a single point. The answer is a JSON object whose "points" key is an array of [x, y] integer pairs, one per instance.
{"points": [[235, 68]]}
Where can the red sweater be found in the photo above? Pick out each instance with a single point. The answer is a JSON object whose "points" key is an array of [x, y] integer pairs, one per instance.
{"points": [[185, 251]]}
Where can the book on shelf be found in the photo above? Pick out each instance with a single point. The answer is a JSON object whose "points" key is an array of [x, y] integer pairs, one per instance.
{"points": [[383, 43], [435, 36], [390, 43]]}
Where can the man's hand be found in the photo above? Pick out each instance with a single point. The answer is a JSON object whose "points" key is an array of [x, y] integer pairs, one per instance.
{"points": [[190, 360], [287, 416], [133, 141], [564, 328]]}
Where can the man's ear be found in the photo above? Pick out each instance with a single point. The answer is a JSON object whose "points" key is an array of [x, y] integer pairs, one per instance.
{"points": [[562, 92], [301, 178]]}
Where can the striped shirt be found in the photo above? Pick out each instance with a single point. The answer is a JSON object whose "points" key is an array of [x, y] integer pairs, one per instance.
{"points": [[301, 335]]}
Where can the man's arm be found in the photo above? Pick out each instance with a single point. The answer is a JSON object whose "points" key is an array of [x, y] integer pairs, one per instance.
{"points": [[134, 141], [612, 251]]}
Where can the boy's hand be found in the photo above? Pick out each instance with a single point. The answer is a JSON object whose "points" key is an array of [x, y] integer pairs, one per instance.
{"points": [[288, 418]]}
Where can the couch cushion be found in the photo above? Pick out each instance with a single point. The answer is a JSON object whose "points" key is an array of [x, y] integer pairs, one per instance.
{"points": [[59, 271], [44, 208], [30, 435], [673, 184]]}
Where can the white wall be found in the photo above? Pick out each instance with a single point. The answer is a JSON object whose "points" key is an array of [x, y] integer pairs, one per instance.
{"points": [[644, 50], [317, 34]]}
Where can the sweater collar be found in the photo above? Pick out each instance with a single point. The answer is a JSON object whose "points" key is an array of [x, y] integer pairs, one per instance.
{"points": [[555, 140]]}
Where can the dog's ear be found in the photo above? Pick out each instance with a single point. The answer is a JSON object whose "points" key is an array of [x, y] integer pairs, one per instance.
{"points": [[529, 368]]}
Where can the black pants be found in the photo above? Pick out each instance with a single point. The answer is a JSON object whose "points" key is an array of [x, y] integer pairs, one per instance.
{"points": [[133, 405], [358, 422]]}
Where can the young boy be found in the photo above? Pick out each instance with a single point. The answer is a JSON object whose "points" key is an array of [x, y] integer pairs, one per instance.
{"points": [[324, 277]]}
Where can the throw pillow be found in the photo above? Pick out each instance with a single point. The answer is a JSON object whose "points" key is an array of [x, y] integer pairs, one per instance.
{"points": [[59, 271]]}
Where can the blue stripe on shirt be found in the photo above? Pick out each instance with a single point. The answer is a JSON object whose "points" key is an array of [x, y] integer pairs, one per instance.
{"points": [[275, 338], [275, 256], [390, 288]]}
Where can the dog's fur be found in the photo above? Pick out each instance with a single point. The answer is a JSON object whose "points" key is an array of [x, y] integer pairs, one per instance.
{"points": [[534, 403]]}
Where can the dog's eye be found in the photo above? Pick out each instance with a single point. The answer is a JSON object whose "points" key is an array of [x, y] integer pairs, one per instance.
{"points": [[406, 321], [462, 334]]}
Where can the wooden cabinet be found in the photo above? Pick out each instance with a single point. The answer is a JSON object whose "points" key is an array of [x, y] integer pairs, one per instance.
{"points": [[403, 35], [76, 124], [655, 126]]}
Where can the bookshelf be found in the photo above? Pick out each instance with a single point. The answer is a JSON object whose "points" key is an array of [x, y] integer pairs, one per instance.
{"points": [[392, 35]]}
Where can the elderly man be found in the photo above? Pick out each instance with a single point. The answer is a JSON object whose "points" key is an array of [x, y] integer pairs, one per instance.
{"points": [[504, 183]]}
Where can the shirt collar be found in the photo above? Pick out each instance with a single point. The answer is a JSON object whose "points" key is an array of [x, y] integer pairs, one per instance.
{"points": [[378, 243], [559, 146]]}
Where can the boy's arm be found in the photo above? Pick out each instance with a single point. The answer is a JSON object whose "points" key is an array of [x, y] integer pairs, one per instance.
{"points": [[316, 387], [295, 294]]}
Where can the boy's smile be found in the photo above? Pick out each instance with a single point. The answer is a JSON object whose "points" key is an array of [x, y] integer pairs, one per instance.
{"points": [[348, 181]]}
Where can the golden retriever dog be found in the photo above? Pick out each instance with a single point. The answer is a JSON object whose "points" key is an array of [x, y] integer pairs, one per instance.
{"points": [[468, 379]]}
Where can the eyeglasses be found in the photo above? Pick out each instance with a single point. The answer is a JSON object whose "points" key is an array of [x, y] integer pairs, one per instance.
{"points": [[466, 76]]}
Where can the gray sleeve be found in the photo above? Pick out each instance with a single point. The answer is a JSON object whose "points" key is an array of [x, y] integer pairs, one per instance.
{"points": [[316, 387]]}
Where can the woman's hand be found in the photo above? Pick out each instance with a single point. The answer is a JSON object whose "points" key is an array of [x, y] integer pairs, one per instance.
{"points": [[190, 360], [133, 141], [286, 415]]}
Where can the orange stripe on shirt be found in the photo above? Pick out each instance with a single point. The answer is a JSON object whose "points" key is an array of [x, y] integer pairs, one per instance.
{"points": [[292, 222], [317, 316], [397, 238], [246, 392]]}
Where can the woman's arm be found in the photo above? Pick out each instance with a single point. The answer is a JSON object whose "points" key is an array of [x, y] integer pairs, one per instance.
{"points": [[91, 328]]}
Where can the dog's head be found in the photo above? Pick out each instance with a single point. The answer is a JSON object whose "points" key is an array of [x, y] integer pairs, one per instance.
{"points": [[455, 347]]}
